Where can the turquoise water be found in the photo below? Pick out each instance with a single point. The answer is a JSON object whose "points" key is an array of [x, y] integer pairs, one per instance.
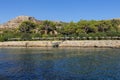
{"points": [[59, 64]]}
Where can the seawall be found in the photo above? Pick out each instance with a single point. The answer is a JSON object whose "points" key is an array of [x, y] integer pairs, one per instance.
{"points": [[81, 43]]}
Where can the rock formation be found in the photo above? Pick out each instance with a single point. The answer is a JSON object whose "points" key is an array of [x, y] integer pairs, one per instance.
{"points": [[14, 23]]}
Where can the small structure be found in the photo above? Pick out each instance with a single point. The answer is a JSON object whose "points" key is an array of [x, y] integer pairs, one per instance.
{"points": [[55, 45]]}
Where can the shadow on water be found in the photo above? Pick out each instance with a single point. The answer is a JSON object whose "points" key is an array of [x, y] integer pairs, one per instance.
{"points": [[59, 64], [4, 78]]}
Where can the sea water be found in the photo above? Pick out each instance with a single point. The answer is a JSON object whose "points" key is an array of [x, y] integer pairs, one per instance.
{"points": [[59, 64]]}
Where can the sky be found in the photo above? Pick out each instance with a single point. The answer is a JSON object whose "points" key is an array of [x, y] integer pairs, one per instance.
{"points": [[60, 10]]}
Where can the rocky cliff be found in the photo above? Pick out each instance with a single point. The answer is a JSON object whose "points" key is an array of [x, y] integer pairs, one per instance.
{"points": [[14, 23]]}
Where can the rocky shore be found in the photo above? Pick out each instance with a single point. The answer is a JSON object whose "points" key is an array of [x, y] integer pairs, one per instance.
{"points": [[82, 43]]}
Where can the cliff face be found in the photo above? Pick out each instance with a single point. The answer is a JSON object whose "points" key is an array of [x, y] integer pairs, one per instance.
{"points": [[14, 23]]}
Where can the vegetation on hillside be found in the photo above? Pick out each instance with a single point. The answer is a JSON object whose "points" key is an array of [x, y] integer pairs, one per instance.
{"points": [[28, 30]]}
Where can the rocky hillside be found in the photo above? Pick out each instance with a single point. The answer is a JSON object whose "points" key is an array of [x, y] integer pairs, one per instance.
{"points": [[14, 23]]}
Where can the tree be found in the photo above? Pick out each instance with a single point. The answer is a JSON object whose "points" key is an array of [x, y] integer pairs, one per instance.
{"points": [[49, 24], [115, 24], [26, 26], [104, 25], [26, 36], [70, 28]]}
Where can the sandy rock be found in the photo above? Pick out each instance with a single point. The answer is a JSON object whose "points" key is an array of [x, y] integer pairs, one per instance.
{"points": [[14, 23]]}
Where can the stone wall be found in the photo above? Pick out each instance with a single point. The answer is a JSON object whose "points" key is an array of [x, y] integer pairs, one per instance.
{"points": [[92, 43], [84, 43]]}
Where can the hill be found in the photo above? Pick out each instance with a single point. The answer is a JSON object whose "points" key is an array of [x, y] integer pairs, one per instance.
{"points": [[14, 23], [28, 28]]}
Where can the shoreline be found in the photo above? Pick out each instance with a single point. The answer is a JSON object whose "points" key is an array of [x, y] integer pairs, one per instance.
{"points": [[66, 43]]}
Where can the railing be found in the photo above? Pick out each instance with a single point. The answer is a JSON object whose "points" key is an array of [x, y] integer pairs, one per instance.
{"points": [[67, 38]]}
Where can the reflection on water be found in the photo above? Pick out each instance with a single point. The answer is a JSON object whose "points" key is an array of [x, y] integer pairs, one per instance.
{"points": [[59, 64]]}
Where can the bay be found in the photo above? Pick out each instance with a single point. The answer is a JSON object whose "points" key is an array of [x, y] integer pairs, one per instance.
{"points": [[59, 64]]}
